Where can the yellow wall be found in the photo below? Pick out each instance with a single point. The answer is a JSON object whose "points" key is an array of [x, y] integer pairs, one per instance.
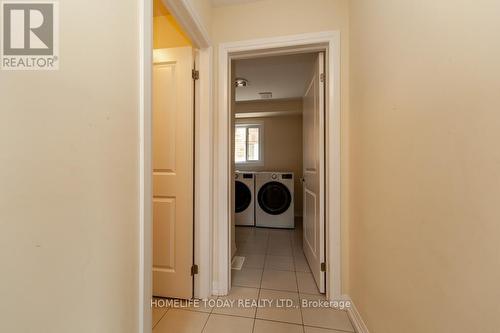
{"points": [[282, 141], [166, 31], [268, 18], [425, 128], [68, 181]]}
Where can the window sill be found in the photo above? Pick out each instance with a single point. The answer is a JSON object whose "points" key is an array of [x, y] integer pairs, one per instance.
{"points": [[249, 164]]}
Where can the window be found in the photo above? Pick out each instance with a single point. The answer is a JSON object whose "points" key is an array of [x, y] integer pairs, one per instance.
{"points": [[248, 144]]}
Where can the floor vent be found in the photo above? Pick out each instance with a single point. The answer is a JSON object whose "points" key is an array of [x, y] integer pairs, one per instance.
{"points": [[237, 263]]}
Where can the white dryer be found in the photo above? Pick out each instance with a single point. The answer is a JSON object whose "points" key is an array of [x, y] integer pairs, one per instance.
{"points": [[244, 189], [275, 200]]}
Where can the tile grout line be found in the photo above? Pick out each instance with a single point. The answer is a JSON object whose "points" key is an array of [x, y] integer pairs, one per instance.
{"points": [[298, 290], [206, 322], [260, 285], [299, 305], [160, 318], [330, 329], [292, 236], [280, 321], [286, 322], [273, 320], [255, 313]]}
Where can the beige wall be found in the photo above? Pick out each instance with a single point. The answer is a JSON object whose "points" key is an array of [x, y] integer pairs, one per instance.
{"points": [[425, 231], [282, 142], [203, 10], [286, 17], [69, 167], [293, 105]]}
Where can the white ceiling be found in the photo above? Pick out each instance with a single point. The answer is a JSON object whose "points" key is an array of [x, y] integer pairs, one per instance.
{"points": [[284, 76], [219, 3]]}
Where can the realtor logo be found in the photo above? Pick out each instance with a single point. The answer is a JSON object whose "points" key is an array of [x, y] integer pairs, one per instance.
{"points": [[30, 35]]}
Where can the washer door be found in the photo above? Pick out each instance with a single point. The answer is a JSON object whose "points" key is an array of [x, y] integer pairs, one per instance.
{"points": [[243, 196], [274, 198]]}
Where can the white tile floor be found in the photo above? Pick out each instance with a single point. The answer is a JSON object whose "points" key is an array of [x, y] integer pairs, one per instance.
{"points": [[275, 268]]}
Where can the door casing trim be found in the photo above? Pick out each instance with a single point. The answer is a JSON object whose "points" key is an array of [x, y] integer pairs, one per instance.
{"points": [[145, 167], [328, 41]]}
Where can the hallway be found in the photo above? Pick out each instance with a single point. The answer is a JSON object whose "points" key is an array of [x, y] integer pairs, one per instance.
{"points": [[274, 269]]}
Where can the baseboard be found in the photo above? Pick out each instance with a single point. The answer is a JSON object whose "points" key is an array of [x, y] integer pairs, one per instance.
{"points": [[355, 316]]}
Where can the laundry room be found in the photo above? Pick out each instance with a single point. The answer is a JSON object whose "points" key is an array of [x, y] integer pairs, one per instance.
{"points": [[277, 128]]}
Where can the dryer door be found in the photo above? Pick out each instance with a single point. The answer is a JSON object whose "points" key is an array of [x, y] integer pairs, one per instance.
{"points": [[274, 198]]}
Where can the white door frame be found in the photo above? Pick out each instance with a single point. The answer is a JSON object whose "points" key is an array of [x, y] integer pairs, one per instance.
{"points": [[190, 22], [329, 42]]}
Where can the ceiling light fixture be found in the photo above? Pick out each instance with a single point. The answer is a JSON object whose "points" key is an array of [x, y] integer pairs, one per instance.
{"points": [[240, 82]]}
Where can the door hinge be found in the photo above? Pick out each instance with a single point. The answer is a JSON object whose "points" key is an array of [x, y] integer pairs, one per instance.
{"points": [[322, 77], [195, 74], [194, 269], [323, 267]]}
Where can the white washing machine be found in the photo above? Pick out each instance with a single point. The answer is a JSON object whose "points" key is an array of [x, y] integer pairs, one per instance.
{"points": [[244, 189], [275, 200]]}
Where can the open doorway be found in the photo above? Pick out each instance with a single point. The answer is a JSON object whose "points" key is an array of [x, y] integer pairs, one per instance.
{"points": [[323, 44], [278, 239]]}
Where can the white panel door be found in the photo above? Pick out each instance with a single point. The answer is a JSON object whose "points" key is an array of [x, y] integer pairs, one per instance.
{"points": [[173, 132], [313, 182]]}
